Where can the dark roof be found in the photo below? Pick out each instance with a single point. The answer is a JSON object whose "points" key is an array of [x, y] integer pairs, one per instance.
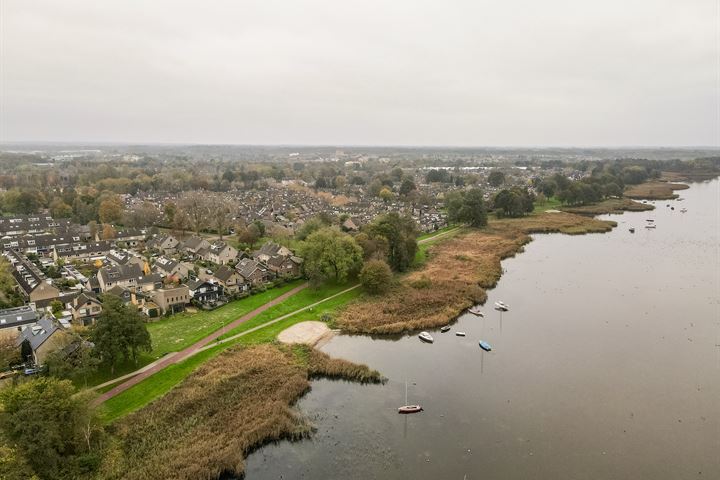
{"points": [[224, 273], [38, 334], [14, 317], [120, 273]]}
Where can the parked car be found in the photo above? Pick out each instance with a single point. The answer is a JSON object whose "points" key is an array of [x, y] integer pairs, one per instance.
{"points": [[31, 371]]}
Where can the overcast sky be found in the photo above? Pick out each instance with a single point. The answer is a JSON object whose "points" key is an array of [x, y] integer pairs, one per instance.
{"points": [[472, 73]]}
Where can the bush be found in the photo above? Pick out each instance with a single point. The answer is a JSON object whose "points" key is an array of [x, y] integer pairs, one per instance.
{"points": [[376, 276]]}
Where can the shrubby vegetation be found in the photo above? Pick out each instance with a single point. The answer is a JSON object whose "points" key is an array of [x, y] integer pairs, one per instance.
{"points": [[376, 276]]}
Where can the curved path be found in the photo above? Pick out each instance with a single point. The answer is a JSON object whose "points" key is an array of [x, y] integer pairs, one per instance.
{"points": [[136, 377], [194, 348]]}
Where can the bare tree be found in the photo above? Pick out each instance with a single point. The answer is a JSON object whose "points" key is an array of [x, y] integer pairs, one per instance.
{"points": [[196, 206], [220, 217]]}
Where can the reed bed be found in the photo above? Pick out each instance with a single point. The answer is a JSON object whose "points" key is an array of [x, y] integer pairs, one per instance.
{"points": [[611, 205], [205, 426], [456, 275], [655, 190]]}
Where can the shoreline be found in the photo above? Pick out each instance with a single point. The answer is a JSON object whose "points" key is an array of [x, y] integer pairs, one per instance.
{"points": [[457, 274]]}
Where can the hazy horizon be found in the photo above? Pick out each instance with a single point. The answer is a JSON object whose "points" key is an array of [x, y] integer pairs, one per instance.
{"points": [[555, 74]]}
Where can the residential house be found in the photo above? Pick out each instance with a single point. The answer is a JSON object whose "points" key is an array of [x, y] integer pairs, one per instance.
{"points": [[13, 320], [169, 267], [288, 267], [167, 244], [45, 337], [123, 257], [85, 308], [132, 237], [203, 291], [81, 252], [270, 250], [195, 246], [231, 281], [171, 299], [126, 276], [220, 253], [253, 272], [33, 284]]}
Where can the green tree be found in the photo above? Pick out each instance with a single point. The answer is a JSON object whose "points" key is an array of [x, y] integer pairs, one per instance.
{"points": [[77, 364], [386, 194], [330, 254], [496, 178], [376, 276], [119, 332], [52, 427], [407, 186], [467, 207], [57, 306], [400, 233]]}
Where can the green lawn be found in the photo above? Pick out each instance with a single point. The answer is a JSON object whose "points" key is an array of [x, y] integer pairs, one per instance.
{"points": [[297, 301], [425, 236], [183, 329], [160, 383], [551, 203]]}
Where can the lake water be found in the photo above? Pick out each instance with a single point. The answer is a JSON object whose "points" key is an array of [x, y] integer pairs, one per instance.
{"points": [[607, 366]]}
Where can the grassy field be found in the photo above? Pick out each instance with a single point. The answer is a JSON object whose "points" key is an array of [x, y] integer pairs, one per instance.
{"points": [[551, 203], [163, 381], [456, 274], [182, 330], [299, 300]]}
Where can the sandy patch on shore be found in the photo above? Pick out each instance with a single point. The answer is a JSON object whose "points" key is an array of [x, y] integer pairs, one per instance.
{"points": [[310, 333]]}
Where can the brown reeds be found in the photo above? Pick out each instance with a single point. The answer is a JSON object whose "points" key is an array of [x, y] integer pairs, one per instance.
{"points": [[232, 404], [456, 275], [611, 205], [654, 190]]}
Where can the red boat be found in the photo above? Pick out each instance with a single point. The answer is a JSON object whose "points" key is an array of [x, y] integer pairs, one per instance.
{"points": [[410, 409]]}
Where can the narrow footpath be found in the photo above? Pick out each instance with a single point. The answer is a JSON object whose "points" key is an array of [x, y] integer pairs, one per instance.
{"points": [[194, 348]]}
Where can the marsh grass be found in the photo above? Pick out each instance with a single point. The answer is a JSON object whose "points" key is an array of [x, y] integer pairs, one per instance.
{"points": [[232, 404], [456, 275], [611, 205], [654, 190]]}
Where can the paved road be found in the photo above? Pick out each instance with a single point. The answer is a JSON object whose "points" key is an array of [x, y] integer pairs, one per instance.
{"points": [[194, 348]]}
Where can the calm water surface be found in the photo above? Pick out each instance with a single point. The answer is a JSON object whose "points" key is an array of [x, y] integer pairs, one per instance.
{"points": [[607, 366]]}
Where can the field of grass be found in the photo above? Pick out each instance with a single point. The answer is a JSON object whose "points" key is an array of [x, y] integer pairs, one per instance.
{"points": [[232, 404], [456, 274], [299, 300], [178, 331], [551, 203], [164, 380], [437, 232]]}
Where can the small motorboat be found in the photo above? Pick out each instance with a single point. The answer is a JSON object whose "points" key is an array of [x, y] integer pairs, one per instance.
{"points": [[426, 337], [410, 409], [652, 225], [476, 311], [650, 220], [485, 346], [445, 328], [460, 334], [632, 229], [683, 210], [501, 306], [672, 208]]}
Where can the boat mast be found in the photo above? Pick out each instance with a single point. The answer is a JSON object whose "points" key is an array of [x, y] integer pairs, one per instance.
{"points": [[406, 392]]}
